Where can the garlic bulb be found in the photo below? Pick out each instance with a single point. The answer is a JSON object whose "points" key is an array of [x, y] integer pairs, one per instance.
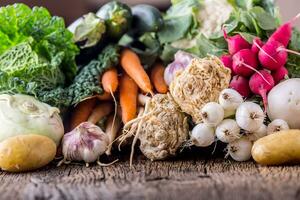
{"points": [[85, 143]]}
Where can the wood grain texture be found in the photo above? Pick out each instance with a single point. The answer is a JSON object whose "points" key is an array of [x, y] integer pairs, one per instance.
{"points": [[186, 177]]}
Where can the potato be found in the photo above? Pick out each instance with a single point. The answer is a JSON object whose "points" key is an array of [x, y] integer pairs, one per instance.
{"points": [[278, 148], [26, 152]]}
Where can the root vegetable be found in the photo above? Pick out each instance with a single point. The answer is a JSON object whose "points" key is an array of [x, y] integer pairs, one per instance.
{"points": [[261, 83], [272, 56], [240, 150], [161, 129], [249, 116], [202, 135], [284, 102], [181, 60], [200, 83], [212, 114], [227, 61], [230, 99], [131, 63], [112, 127], [240, 84], [22, 114], [277, 125], [82, 111], [26, 152], [128, 98], [261, 132], [157, 78], [282, 147], [257, 44], [235, 43], [244, 62], [280, 74], [283, 34], [100, 111], [228, 131]]}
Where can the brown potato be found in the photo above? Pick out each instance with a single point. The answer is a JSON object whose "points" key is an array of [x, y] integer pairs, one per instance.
{"points": [[278, 148], [26, 152]]}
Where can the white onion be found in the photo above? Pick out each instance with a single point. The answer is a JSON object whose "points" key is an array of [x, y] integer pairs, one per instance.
{"points": [[202, 135], [228, 131], [212, 113], [277, 125], [250, 116], [240, 150], [230, 99]]}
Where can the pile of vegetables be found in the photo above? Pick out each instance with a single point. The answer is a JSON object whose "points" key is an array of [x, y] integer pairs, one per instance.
{"points": [[203, 72]]}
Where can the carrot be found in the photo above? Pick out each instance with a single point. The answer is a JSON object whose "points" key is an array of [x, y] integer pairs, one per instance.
{"points": [[105, 96], [110, 84], [82, 112], [128, 98], [110, 80], [112, 127], [100, 111], [157, 78], [131, 63]]}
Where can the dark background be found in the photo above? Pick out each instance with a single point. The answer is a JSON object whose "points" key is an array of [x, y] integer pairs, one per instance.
{"points": [[72, 9]]}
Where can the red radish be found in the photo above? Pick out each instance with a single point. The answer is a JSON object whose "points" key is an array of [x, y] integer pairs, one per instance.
{"points": [[261, 83], [235, 43], [272, 55], [256, 44], [227, 61], [283, 33], [244, 62], [280, 74], [240, 84]]}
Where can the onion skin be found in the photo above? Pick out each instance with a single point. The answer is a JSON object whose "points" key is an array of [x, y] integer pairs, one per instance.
{"points": [[282, 147]]}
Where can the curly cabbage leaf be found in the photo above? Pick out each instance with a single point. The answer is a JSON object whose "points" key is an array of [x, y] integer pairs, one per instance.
{"points": [[48, 35], [23, 71], [86, 83]]}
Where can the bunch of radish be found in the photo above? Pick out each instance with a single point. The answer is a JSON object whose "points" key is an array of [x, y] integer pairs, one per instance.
{"points": [[220, 124], [257, 67]]}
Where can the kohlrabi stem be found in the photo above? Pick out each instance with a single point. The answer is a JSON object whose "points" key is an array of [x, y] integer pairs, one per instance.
{"points": [[248, 66], [257, 45]]}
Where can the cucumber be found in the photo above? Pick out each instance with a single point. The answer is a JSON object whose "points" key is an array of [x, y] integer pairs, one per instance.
{"points": [[146, 18]]}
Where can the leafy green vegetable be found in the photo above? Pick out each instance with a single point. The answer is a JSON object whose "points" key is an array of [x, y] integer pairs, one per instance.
{"points": [[293, 63], [90, 31], [180, 21], [86, 83], [48, 35], [23, 71]]}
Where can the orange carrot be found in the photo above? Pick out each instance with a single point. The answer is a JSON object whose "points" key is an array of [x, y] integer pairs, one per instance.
{"points": [[105, 96], [131, 63], [110, 80], [100, 111], [128, 98], [157, 78], [82, 112]]}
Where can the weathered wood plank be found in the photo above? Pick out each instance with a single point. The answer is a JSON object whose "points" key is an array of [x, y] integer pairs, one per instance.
{"points": [[181, 178]]}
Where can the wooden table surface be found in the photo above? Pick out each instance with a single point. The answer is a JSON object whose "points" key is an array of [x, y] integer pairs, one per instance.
{"points": [[189, 176]]}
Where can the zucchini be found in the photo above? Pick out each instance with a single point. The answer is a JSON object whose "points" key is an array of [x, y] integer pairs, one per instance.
{"points": [[146, 18]]}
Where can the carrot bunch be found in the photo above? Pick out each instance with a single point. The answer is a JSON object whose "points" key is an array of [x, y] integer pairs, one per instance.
{"points": [[133, 77]]}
